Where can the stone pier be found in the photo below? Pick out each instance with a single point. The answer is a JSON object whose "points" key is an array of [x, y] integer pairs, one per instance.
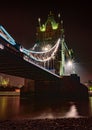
{"points": [[65, 87]]}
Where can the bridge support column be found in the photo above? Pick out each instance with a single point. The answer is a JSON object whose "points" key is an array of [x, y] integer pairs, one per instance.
{"points": [[66, 87], [29, 88], [62, 62], [47, 88]]}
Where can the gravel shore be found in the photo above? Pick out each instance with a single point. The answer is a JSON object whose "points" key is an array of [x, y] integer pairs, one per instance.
{"points": [[47, 124]]}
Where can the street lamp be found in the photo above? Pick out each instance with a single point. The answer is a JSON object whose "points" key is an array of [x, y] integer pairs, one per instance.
{"points": [[69, 66]]}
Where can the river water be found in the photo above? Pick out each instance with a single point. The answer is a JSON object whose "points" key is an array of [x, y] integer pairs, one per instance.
{"points": [[15, 107]]}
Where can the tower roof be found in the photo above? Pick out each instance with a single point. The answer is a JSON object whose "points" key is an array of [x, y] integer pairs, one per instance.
{"points": [[50, 20]]}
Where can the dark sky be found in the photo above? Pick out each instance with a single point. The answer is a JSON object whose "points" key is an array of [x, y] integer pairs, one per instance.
{"points": [[20, 20]]}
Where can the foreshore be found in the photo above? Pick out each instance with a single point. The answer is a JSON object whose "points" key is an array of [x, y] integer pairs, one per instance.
{"points": [[47, 124]]}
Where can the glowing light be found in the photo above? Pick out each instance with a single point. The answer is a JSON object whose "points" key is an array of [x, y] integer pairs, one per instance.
{"points": [[70, 67], [6, 36], [17, 90], [4, 82], [39, 19], [54, 26], [43, 28], [1, 46], [46, 48], [70, 63], [73, 112], [59, 15]]}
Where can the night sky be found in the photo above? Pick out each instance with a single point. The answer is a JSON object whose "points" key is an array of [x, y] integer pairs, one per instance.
{"points": [[21, 18]]}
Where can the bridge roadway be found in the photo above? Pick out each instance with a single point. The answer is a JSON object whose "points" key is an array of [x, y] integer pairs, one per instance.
{"points": [[12, 63]]}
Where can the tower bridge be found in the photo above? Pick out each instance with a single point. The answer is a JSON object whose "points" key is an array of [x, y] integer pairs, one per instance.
{"points": [[36, 63]]}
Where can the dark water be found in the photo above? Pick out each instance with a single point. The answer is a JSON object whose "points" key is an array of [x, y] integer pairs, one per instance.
{"points": [[13, 107]]}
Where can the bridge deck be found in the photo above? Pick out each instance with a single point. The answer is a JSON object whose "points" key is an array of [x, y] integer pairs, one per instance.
{"points": [[12, 63]]}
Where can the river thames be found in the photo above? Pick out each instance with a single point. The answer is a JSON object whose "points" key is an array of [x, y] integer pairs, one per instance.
{"points": [[16, 107]]}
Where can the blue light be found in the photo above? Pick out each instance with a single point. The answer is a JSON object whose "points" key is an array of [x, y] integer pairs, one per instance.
{"points": [[6, 36]]}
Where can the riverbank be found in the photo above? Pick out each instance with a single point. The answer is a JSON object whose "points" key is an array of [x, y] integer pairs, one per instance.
{"points": [[47, 124]]}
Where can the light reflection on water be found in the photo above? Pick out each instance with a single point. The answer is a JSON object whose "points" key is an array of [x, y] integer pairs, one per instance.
{"points": [[13, 107], [72, 112], [9, 106]]}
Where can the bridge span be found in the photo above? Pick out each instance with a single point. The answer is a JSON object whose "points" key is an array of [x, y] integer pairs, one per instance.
{"points": [[13, 63]]}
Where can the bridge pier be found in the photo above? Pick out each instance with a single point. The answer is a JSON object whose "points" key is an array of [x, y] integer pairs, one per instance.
{"points": [[65, 87], [47, 88], [29, 88]]}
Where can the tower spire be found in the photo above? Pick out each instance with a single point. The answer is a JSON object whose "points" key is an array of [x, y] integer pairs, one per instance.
{"points": [[39, 20]]}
